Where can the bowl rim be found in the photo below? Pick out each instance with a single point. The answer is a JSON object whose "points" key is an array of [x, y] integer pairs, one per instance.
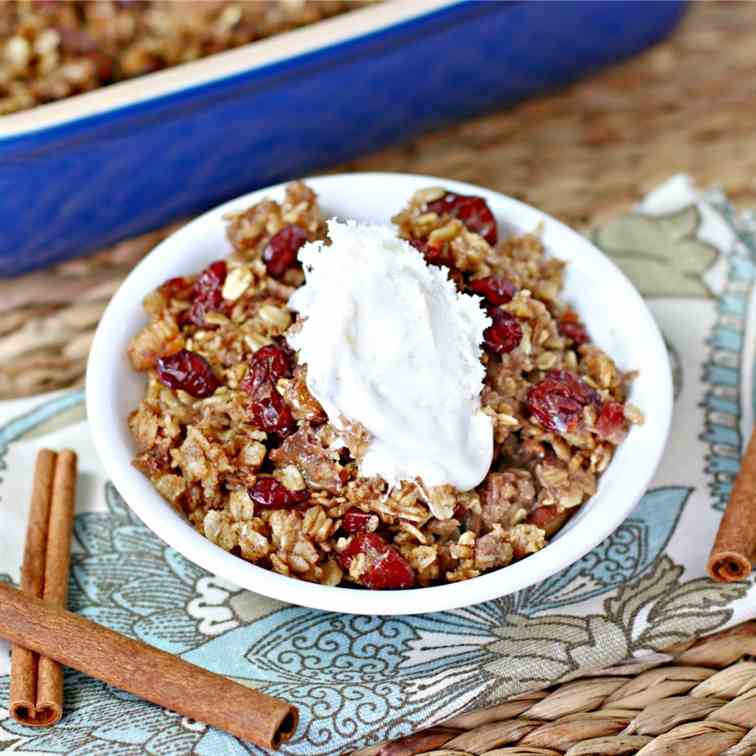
{"points": [[178, 533]]}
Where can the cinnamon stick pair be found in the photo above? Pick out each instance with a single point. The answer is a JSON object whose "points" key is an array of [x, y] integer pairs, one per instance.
{"points": [[36, 694], [734, 551], [44, 636]]}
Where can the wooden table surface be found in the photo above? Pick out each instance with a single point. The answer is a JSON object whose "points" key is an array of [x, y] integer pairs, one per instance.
{"points": [[582, 154]]}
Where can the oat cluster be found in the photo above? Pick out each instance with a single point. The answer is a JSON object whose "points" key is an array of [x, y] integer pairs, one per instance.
{"points": [[228, 432]]}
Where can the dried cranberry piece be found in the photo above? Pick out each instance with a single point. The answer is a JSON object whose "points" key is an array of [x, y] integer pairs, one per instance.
{"points": [[495, 289], [280, 252], [472, 211], [437, 256], [176, 288], [611, 424], [184, 318], [390, 570], [361, 544], [270, 494], [195, 314], [574, 331], [273, 415], [457, 277], [386, 567], [421, 246], [345, 456], [543, 517], [504, 334], [434, 255], [571, 328], [189, 372], [266, 365], [209, 283], [208, 292], [557, 402], [355, 521], [104, 66]]}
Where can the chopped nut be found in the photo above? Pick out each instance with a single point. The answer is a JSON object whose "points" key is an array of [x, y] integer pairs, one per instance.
{"points": [[277, 319], [441, 502], [240, 505], [290, 477], [237, 282]]}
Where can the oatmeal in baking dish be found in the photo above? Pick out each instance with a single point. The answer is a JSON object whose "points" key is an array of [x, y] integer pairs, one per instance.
{"points": [[384, 407], [53, 49]]}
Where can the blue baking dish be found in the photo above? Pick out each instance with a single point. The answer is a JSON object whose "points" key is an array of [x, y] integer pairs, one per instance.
{"points": [[85, 172]]}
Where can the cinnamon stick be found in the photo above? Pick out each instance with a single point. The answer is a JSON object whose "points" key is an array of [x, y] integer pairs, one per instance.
{"points": [[143, 670], [57, 567], [25, 663], [734, 549]]}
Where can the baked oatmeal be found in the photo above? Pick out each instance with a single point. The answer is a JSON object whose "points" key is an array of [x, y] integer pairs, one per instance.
{"points": [[229, 432], [52, 49]]}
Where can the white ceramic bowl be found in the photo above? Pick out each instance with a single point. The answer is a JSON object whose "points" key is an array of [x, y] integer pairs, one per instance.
{"points": [[613, 310]]}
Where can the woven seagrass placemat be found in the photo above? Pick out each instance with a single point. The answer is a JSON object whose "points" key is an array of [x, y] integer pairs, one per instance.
{"points": [[697, 700]]}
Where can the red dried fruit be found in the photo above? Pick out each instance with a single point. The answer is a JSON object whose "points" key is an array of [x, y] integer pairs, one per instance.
{"points": [[386, 567], [103, 64], [504, 334], [194, 315], [176, 288], [457, 277], [187, 371], [266, 365], [270, 494], [495, 289], [209, 283], [611, 424], [472, 211], [362, 543], [355, 521], [280, 252], [544, 517], [345, 456], [272, 414], [557, 402], [575, 331], [208, 292], [437, 256], [390, 570], [434, 255]]}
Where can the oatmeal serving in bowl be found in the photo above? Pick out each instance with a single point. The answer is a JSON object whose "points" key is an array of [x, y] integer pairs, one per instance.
{"points": [[383, 407]]}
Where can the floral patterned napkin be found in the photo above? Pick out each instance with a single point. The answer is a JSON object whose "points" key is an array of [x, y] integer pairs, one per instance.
{"points": [[359, 680]]}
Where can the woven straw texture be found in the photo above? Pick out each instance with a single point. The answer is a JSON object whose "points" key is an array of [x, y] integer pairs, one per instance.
{"points": [[697, 700], [583, 154]]}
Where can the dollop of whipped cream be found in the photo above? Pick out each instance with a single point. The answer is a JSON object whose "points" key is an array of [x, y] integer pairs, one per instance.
{"points": [[390, 343]]}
